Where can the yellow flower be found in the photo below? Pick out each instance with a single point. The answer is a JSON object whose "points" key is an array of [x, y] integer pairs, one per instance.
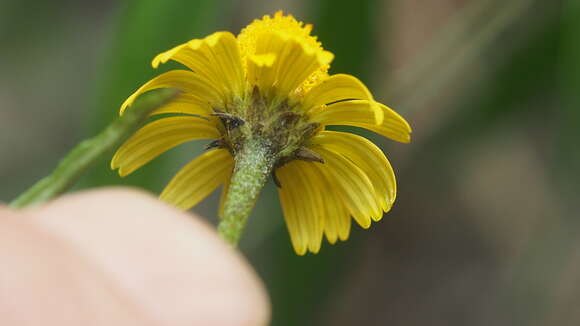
{"points": [[270, 86]]}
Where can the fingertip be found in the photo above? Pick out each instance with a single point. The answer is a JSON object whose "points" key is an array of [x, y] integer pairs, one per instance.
{"points": [[171, 263]]}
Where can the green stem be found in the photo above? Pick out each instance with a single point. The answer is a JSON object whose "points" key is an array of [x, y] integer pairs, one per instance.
{"points": [[253, 166], [86, 153]]}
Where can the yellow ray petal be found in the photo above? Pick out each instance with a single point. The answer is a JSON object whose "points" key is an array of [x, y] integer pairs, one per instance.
{"points": [[353, 185], [336, 218], [224, 55], [258, 67], [186, 81], [267, 45], [189, 55], [343, 222], [341, 87], [331, 229], [359, 114], [186, 103], [198, 179], [295, 62], [290, 28], [302, 206], [368, 157], [216, 57], [290, 200], [158, 137], [313, 202]]}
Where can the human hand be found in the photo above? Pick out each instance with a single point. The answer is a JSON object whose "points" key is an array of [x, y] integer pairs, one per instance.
{"points": [[120, 257]]}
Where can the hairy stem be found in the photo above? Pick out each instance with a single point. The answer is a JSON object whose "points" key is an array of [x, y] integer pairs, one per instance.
{"points": [[253, 165], [86, 153]]}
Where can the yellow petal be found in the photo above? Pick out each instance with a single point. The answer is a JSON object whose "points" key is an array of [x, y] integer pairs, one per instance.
{"points": [[157, 137], [267, 45], [352, 184], [342, 219], [295, 62], [290, 199], [216, 57], [259, 65], [198, 179], [302, 206], [252, 37], [224, 55], [368, 157], [185, 103], [341, 87], [358, 113], [314, 204], [186, 81], [336, 217]]}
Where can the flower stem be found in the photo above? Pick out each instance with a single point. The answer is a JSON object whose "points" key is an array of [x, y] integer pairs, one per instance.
{"points": [[253, 165], [87, 152]]}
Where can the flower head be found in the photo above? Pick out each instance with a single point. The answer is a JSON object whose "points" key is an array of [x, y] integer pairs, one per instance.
{"points": [[270, 86]]}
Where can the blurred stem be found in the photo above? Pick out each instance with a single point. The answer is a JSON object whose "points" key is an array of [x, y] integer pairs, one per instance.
{"points": [[568, 155], [455, 47], [253, 165], [86, 153], [446, 41]]}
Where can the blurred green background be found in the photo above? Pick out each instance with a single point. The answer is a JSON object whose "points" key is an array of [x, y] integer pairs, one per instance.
{"points": [[485, 228]]}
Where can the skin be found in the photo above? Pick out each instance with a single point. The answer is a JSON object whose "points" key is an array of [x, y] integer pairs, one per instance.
{"points": [[121, 257]]}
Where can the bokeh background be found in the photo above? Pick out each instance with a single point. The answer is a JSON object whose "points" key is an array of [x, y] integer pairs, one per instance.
{"points": [[485, 230]]}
